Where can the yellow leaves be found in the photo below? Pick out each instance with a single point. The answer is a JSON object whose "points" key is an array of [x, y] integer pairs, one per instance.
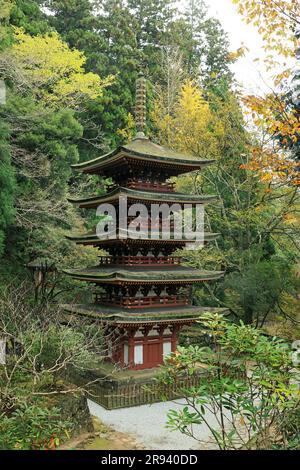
{"points": [[266, 177], [193, 127], [80, 84], [291, 219], [48, 53], [272, 114], [272, 167], [127, 133], [275, 21], [240, 52], [191, 101], [55, 72]]}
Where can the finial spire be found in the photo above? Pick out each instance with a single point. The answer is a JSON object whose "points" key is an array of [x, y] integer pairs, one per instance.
{"points": [[140, 105]]}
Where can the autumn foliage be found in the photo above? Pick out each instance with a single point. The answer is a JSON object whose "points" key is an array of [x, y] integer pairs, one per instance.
{"points": [[274, 116]]}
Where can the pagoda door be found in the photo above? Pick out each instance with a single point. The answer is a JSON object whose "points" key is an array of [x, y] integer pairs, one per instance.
{"points": [[154, 353]]}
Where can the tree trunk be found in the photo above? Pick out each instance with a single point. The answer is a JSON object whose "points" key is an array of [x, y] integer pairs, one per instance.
{"points": [[248, 316]]}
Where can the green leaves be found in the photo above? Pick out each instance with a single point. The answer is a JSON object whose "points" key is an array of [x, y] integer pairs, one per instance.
{"points": [[245, 385], [182, 420], [31, 427], [7, 185]]}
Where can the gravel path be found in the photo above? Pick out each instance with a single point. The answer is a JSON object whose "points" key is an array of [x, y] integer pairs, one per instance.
{"points": [[147, 424]]}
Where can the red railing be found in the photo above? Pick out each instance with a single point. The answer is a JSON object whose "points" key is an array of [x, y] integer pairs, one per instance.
{"points": [[148, 185], [145, 185], [143, 302], [147, 226], [140, 260]]}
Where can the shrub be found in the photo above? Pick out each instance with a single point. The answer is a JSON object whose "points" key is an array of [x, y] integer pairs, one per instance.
{"points": [[245, 392], [31, 427]]}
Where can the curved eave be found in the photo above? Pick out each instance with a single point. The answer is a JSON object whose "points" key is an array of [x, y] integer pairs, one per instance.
{"points": [[137, 322], [184, 321], [99, 164], [96, 162], [146, 196], [119, 278], [124, 317], [94, 240]]}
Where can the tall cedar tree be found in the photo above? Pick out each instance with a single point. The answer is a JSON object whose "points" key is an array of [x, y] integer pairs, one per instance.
{"points": [[121, 37]]}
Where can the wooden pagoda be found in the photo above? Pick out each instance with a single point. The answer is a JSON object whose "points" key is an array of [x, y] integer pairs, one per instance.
{"points": [[141, 290]]}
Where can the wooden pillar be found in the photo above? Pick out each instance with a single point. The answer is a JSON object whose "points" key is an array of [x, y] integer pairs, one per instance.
{"points": [[174, 337], [131, 334], [161, 330], [146, 330]]}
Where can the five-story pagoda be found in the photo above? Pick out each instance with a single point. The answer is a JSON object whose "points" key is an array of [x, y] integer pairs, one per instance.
{"points": [[142, 291]]}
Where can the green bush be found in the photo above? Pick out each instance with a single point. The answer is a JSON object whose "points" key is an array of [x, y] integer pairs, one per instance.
{"points": [[245, 393], [289, 428], [31, 427]]}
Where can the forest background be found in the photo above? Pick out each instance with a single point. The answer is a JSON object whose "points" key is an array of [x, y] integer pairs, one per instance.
{"points": [[69, 69]]}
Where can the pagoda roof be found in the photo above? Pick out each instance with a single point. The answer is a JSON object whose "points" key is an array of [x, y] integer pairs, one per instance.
{"points": [[143, 149], [137, 195], [143, 274], [93, 239], [129, 317]]}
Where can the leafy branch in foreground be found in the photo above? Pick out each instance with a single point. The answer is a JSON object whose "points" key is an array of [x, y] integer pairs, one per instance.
{"points": [[244, 387]]}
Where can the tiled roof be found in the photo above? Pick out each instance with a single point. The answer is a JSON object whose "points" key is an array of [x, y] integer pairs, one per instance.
{"points": [[134, 194], [121, 315], [143, 274], [143, 148], [92, 238]]}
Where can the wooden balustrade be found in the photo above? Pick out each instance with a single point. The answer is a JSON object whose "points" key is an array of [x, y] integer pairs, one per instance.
{"points": [[145, 185], [143, 302], [141, 260], [146, 225], [148, 185]]}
